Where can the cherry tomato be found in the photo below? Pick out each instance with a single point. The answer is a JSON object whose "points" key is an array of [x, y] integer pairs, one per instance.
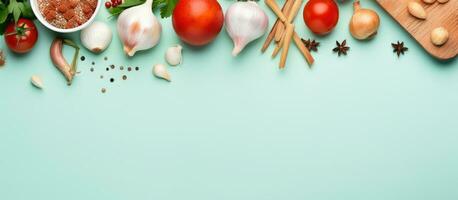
{"points": [[20, 37], [198, 22], [107, 4], [321, 16]]}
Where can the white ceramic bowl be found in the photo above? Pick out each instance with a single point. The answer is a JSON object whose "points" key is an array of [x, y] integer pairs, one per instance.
{"points": [[36, 11]]}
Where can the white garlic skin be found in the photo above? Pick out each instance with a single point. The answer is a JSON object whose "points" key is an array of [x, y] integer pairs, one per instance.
{"points": [[36, 81], [173, 55], [96, 37], [245, 22], [160, 71], [138, 28]]}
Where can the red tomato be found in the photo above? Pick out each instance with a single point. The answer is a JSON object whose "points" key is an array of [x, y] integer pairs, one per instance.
{"points": [[321, 16], [20, 37], [197, 22]]}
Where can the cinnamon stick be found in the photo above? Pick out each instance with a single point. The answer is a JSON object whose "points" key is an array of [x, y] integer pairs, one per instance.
{"points": [[281, 27], [293, 13], [274, 6], [286, 44], [305, 52], [272, 32]]}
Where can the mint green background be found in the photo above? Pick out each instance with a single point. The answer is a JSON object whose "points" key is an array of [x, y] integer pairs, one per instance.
{"points": [[364, 126]]}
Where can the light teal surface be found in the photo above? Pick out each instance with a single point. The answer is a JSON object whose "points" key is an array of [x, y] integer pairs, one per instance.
{"points": [[367, 126]]}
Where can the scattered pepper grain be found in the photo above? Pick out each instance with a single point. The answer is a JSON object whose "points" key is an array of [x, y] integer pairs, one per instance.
{"points": [[104, 90], [83, 58], [124, 77], [112, 80], [129, 69], [136, 68]]}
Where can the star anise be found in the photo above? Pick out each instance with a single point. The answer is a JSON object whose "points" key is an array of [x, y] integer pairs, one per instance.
{"points": [[311, 45], [341, 48], [399, 48]]}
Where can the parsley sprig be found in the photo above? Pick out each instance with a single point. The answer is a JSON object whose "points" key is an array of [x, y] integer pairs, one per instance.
{"points": [[165, 6]]}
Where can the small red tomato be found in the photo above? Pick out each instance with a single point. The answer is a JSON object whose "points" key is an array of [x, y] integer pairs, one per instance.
{"points": [[198, 22], [107, 4], [114, 4], [113, 1], [21, 37], [119, 2], [321, 16]]}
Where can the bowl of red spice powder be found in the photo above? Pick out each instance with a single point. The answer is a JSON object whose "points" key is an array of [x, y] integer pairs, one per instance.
{"points": [[65, 16]]}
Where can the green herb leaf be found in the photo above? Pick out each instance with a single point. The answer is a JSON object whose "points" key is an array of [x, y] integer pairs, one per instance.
{"points": [[168, 7], [165, 6], [3, 13]]}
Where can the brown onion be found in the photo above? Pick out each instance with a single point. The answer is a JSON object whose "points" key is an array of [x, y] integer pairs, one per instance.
{"points": [[364, 23]]}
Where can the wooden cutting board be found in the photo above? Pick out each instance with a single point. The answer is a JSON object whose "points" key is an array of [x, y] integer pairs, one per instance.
{"points": [[445, 15]]}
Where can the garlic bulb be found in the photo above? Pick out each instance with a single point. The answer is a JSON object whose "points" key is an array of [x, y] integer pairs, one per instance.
{"points": [[96, 37], [138, 28], [160, 71], [245, 22], [173, 55]]}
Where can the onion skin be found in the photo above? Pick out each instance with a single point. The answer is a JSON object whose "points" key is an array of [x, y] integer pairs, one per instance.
{"points": [[364, 23]]}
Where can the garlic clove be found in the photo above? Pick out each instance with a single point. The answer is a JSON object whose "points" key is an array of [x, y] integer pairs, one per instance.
{"points": [[416, 10], [173, 55], [96, 37], [439, 36], [36, 81], [160, 71]]}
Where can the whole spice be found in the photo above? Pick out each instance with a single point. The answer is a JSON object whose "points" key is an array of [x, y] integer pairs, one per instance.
{"points": [[399, 48], [364, 23], [341, 48], [96, 37], [245, 22], [58, 58], [173, 55], [160, 71], [416, 10], [439, 36], [311, 45], [138, 28], [36, 81]]}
